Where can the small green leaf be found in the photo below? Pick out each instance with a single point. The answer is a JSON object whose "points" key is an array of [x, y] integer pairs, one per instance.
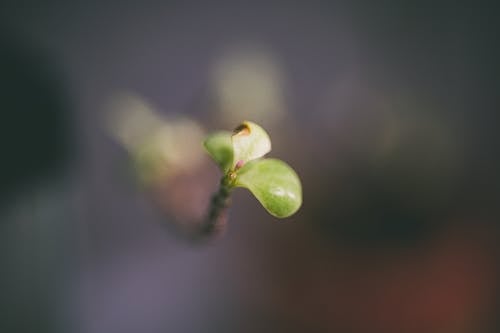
{"points": [[274, 183], [250, 141], [220, 147]]}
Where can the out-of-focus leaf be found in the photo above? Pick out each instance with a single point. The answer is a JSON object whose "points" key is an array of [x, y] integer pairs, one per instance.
{"points": [[274, 183], [220, 147], [250, 141]]}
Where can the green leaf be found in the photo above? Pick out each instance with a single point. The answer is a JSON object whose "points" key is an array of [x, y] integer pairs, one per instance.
{"points": [[250, 142], [274, 183], [220, 148]]}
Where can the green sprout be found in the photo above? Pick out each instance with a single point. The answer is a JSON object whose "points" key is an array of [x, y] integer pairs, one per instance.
{"points": [[240, 157]]}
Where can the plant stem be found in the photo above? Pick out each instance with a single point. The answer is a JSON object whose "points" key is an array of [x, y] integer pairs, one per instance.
{"points": [[215, 221]]}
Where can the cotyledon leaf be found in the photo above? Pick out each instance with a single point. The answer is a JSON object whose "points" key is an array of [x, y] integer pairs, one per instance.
{"points": [[220, 147], [274, 183], [250, 141]]}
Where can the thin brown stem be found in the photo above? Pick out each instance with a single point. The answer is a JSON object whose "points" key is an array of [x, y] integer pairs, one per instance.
{"points": [[216, 218]]}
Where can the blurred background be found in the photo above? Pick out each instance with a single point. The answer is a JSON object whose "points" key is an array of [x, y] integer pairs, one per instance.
{"points": [[385, 109]]}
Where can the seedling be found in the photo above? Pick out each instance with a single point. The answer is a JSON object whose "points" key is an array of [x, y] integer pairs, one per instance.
{"points": [[239, 156]]}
